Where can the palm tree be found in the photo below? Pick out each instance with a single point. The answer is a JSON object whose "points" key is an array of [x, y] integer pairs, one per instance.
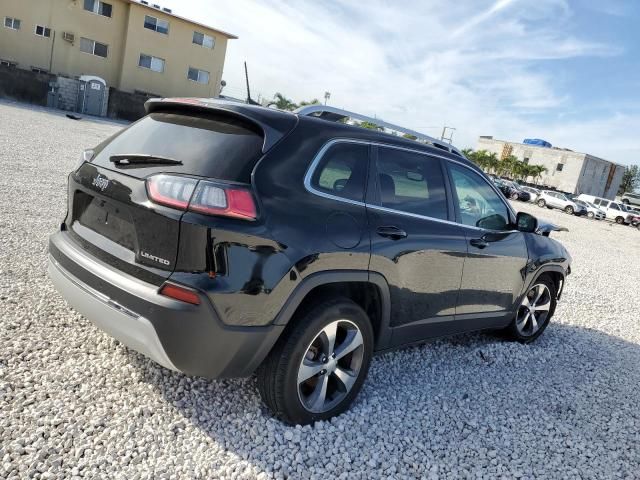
{"points": [[283, 103]]}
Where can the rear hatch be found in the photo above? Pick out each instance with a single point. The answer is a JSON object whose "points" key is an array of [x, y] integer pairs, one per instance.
{"points": [[111, 212]]}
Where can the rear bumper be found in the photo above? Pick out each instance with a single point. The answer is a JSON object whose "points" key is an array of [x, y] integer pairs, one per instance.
{"points": [[180, 336]]}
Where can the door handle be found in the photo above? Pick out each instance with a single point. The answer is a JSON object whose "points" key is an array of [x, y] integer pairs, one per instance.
{"points": [[479, 242], [392, 232]]}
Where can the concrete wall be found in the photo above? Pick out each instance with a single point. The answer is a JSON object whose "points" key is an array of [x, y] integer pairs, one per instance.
{"points": [[126, 106], [126, 37], [24, 86], [67, 93]]}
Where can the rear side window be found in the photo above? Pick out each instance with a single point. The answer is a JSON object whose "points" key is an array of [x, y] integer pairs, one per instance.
{"points": [[411, 182], [209, 145], [342, 171]]}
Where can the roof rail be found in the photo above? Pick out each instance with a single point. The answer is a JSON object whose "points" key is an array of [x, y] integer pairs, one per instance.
{"points": [[333, 114]]}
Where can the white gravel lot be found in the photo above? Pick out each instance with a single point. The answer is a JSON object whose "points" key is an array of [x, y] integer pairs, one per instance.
{"points": [[76, 404]]}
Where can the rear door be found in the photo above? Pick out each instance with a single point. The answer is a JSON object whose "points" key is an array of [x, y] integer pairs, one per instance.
{"points": [[413, 242], [110, 212], [497, 255]]}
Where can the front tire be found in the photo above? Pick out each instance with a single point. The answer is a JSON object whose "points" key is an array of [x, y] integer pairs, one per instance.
{"points": [[318, 366], [541, 203], [514, 196], [535, 311], [590, 215], [619, 220]]}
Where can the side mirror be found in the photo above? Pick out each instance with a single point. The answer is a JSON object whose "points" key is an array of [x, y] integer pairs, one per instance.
{"points": [[526, 223]]}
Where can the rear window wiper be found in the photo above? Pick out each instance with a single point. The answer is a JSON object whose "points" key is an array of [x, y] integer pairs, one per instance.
{"points": [[140, 158]]}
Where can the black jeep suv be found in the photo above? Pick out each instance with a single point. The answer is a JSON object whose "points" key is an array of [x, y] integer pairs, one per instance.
{"points": [[222, 239]]}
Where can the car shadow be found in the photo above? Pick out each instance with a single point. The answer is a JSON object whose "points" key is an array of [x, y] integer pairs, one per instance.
{"points": [[564, 401]]}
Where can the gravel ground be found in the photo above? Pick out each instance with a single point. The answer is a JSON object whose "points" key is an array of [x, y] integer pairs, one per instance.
{"points": [[76, 404]]}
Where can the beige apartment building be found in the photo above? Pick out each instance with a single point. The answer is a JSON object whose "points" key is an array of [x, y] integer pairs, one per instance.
{"points": [[135, 46]]}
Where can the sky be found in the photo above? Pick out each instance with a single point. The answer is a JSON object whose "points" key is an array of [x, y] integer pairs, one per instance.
{"points": [[562, 70]]}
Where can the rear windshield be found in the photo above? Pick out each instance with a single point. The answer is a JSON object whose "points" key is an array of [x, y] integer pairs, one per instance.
{"points": [[216, 146]]}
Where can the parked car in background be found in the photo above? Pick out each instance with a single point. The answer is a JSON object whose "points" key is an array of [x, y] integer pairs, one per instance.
{"points": [[592, 210], [517, 192], [533, 192], [630, 198], [559, 200], [506, 190], [616, 211]]}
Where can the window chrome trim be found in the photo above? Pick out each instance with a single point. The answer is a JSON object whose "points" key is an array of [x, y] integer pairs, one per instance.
{"points": [[318, 157]]}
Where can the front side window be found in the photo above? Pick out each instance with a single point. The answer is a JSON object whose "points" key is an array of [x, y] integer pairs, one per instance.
{"points": [[411, 182], [199, 76], [43, 31], [12, 23], [98, 7], [155, 24], [203, 40], [614, 206], [480, 206], [152, 63], [342, 171], [94, 48]]}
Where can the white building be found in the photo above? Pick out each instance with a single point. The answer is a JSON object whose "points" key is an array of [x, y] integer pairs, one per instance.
{"points": [[567, 171]]}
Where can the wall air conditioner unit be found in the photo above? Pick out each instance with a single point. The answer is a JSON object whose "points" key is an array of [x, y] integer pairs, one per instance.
{"points": [[68, 37]]}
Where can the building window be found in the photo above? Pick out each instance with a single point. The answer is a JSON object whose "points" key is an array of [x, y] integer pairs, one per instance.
{"points": [[7, 63], [559, 167], [155, 24], [93, 47], [43, 31], [98, 7], [12, 23], [152, 63], [199, 76], [39, 70], [203, 40]]}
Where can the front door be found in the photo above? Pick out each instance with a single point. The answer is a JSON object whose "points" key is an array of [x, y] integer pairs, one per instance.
{"points": [[495, 265], [413, 242]]}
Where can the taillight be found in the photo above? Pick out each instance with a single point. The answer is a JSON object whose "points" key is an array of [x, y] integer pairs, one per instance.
{"points": [[180, 293], [230, 201], [171, 190], [202, 196]]}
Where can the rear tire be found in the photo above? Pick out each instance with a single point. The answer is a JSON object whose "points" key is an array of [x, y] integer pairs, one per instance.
{"points": [[335, 377], [541, 203], [590, 215], [568, 209], [514, 196], [535, 311]]}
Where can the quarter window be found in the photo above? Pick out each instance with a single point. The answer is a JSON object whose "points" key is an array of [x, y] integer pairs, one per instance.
{"points": [[155, 24], [411, 182], [152, 63], [342, 171], [480, 206], [98, 7], [12, 23], [94, 48], [43, 31], [203, 40], [199, 76]]}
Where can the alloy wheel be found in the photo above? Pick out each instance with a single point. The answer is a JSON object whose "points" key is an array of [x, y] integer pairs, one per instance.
{"points": [[569, 210], [330, 366], [541, 203], [534, 310], [590, 215]]}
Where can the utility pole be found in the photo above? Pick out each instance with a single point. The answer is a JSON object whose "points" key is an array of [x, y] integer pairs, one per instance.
{"points": [[246, 76], [53, 42], [443, 137], [327, 96]]}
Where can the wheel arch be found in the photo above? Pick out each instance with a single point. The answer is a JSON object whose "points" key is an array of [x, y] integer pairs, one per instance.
{"points": [[369, 290], [557, 274]]}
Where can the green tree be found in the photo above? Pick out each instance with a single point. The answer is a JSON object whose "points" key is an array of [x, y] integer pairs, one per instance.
{"points": [[630, 179], [283, 103], [370, 126], [409, 136], [304, 103]]}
